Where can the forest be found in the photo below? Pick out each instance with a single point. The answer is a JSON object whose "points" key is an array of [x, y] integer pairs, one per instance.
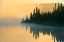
{"points": [[56, 17]]}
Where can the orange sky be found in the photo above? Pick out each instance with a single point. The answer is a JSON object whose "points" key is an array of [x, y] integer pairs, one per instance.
{"points": [[15, 8], [32, 1]]}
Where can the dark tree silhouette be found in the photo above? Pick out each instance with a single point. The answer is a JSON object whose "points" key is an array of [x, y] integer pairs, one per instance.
{"points": [[54, 17], [31, 17]]}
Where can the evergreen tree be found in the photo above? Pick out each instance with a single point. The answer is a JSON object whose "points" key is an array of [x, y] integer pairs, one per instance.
{"points": [[57, 15], [27, 18], [31, 17], [34, 15], [23, 19], [55, 6]]}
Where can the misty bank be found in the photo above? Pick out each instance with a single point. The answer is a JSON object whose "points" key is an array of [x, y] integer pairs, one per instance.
{"points": [[54, 18]]}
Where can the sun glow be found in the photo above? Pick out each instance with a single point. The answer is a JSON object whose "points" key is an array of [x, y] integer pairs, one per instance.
{"points": [[17, 8]]}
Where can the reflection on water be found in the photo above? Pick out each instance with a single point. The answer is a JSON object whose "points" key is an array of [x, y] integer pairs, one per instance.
{"points": [[31, 33]]}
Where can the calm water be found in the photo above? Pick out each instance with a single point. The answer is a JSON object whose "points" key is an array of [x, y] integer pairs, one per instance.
{"points": [[26, 32]]}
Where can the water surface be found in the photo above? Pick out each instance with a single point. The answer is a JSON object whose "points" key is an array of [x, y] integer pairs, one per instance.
{"points": [[26, 32]]}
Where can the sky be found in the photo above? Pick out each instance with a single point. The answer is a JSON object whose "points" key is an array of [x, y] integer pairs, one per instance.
{"points": [[15, 8], [32, 1]]}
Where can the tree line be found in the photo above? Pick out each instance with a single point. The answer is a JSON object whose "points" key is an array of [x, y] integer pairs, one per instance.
{"points": [[56, 16]]}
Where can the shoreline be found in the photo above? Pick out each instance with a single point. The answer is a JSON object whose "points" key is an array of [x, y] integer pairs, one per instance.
{"points": [[47, 24]]}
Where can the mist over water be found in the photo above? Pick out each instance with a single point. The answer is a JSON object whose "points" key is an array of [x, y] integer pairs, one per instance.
{"points": [[11, 30], [14, 31], [10, 22]]}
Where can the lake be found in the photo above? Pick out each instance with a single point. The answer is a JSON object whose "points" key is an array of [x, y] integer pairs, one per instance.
{"points": [[30, 32]]}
